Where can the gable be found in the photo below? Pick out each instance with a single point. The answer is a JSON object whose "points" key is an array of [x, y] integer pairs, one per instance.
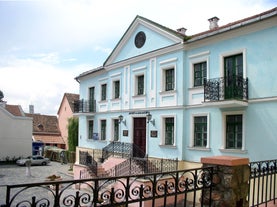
{"points": [[70, 98], [143, 36]]}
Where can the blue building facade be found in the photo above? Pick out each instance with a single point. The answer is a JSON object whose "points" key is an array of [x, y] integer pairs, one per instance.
{"points": [[186, 97]]}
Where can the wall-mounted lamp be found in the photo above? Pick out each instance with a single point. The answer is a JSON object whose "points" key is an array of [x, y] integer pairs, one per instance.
{"points": [[149, 118], [120, 117]]}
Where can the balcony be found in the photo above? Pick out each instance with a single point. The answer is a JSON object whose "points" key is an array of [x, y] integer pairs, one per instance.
{"points": [[229, 91], [85, 106]]}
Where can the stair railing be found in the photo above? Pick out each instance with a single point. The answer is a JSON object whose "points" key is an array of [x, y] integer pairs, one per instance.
{"points": [[86, 159], [122, 149], [136, 166]]}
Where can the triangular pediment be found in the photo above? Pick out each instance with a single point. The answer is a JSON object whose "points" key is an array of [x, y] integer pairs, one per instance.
{"points": [[143, 36]]}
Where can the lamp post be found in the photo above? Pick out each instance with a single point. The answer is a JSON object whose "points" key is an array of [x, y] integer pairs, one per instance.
{"points": [[149, 118], [121, 120]]}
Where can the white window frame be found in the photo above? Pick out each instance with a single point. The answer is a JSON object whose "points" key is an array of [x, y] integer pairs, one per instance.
{"points": [[195, 59], [136, 84], [88, 129], [163, 74], [230, 53], [138, 72], [101, 84], [113, 89], [192, 130], [162, 141], [223, 141], [113, 132], [100, 133]]}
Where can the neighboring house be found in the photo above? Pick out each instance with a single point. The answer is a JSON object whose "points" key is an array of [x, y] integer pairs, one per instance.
{"points": [[46, 130], [65, 112], [15, 132], [186, 97]]}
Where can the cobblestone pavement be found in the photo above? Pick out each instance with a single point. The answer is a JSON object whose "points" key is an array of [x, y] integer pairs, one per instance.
{"points": [[13, 174]]}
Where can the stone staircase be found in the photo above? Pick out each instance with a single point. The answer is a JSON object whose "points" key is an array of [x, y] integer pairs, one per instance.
{"points": [[104, 168]]}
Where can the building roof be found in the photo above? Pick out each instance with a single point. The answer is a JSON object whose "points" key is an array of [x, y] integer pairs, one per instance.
{"points": [[44, 124], [235, 24], [198, 36], [49, 139], [89, 72], [15, 110], [71, 97]]}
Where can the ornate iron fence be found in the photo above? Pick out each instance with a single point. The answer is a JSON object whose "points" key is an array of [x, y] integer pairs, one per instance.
{"points": [[262, 182], [136, 166], [218, 89], [86, 159], [158, 189], [84, 106], [122, 149]]}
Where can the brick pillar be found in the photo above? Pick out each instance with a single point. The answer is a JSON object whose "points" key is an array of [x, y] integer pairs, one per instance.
{"points": [[231, 175]]}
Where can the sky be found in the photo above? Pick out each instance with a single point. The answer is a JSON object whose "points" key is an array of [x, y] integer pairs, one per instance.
{"points": [[44, 45]]}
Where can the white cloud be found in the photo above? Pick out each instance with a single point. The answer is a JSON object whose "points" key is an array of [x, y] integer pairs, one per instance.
{"points": [[102, 49], [51, 58], [29, 81]]}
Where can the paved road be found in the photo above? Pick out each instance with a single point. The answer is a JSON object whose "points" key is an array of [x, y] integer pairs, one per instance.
{"points": [[13, 174]]}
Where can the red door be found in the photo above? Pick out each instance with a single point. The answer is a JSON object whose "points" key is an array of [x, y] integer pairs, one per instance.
{"points": [[139, 137]]}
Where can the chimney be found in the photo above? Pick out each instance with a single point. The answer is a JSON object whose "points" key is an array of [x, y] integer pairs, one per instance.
{"points": [[213, 22], [182, 30], [31, 109]]}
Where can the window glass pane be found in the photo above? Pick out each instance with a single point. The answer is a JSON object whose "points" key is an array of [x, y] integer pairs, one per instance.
{"points": [[169, 131], [200, 73], [90, 129], [103, 129], [234, 131], [140, 80], [169, 80], [103, 92], [91, 99], [116, 89], [200, 131]]}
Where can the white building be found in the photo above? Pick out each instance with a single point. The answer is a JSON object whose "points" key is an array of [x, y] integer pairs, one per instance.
{"points": [[15, 132]]}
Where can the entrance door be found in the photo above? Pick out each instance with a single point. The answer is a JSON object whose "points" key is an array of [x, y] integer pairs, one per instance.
{"points": [[139, 137], [233, 69]]}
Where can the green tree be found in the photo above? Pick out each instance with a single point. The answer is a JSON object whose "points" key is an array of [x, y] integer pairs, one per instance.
{"points": [[73, 125]]}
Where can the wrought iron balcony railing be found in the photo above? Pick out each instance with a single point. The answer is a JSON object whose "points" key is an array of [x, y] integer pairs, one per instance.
{"points": [[84, 106], [226, 88]]}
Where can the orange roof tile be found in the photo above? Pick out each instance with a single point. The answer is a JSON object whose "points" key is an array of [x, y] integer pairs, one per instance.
{"points": [[44, 124], [14, 110], [49, 139]]}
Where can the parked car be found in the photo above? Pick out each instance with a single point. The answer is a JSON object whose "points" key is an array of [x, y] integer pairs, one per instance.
{"points": [[35, 160]]}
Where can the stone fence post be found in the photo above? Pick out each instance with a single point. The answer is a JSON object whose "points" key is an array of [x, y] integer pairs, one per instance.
{"points": [[230, 179]]}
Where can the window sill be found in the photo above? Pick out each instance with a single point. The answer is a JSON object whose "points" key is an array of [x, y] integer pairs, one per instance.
{"points": [[103, 101], [239, 151], [200, 149], [168, 146], [167, 92], [196, 88], [139, 96], [116, 99], [96, 140]]}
